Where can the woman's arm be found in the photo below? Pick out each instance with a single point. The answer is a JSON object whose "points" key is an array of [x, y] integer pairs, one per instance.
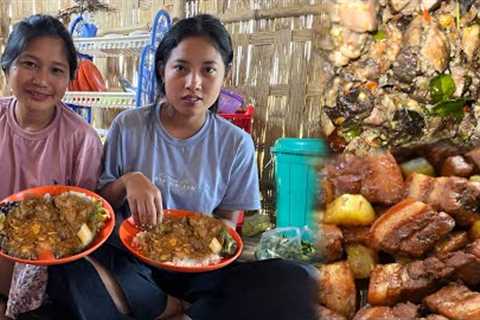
{"points": [[119, 183], [115, 192], [230, 217], [144, 198]]}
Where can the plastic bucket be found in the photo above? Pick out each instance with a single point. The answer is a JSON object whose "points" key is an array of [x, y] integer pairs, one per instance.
{"points": [[296, 179]]}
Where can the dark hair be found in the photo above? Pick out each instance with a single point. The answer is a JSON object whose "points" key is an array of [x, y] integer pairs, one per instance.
{"points": [[203, 25], [34, 27]]}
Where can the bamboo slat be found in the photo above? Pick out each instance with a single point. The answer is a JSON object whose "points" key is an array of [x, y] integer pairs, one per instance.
{"points": [[271, 13], [278, 69], [278, 64], [4, 26]]}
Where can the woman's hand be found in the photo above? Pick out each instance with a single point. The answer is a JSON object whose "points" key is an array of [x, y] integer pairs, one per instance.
{"points": [[144, 199]]}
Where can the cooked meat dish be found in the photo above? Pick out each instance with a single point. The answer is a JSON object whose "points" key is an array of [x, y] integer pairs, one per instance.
{"points": [[330, 242], [400, 249], [356, 234], [327, 314], [400, 96], [454, 241], [399, 73], [455, 302], [337, 289], [365, 175], [457, 196], [402, 311], [433, 317], [192, 240], [62, 225], [392, 283], [410, 228]]}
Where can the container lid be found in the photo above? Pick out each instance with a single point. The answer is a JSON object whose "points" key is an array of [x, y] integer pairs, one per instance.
{"points": [[304, 146]]}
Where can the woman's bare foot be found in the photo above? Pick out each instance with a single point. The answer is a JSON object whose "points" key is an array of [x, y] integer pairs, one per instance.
{"points": [[174, 308], [3, 307], [113, 288], [180, 317]]}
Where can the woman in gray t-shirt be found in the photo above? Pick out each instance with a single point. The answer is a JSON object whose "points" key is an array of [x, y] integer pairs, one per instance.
{"points": [[179, 154]]}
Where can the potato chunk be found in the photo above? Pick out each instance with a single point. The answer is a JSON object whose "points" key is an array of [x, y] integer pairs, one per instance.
{"points": [[362, 260], [417, 165], [85, 235], [350, 209]]}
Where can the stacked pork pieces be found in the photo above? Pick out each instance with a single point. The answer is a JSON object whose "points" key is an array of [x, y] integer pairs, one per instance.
{"points": [[399, 72], [397, 243]]}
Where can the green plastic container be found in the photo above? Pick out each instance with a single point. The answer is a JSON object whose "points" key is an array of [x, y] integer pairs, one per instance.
{"points": [[296, 179]]}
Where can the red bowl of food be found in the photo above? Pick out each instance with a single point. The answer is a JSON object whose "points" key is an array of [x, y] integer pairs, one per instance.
{"points": [[53, 224], [129, 233]]}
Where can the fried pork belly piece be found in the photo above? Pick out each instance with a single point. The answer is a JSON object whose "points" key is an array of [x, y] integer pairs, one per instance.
{"points": [[473, 156], [354, 234], [329, 243], [402, 311], [324, 313], [337, 289], [419, 186], [392, 283], [455, 301], [456, 166], [344, 175], [433, 317], [470, 273], [457, 196], [438, 152], [410, 228], [365, 175], [375, 187], [385, 287], [453, 242]]}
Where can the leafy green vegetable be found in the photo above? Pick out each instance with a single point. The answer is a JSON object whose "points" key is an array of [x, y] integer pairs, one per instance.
{"points": [[452, 107], [442, 87], [308, 251], [379, 35], [286, 248], [350, 133], [229, 244]]}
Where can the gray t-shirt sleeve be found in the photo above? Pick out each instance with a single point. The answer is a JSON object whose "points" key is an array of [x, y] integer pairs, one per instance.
{"points": [[243, 189], [112, 156]]}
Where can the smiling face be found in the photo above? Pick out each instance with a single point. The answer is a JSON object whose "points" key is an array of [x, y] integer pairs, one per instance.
{"points": [[40, 74], [193, 76]]}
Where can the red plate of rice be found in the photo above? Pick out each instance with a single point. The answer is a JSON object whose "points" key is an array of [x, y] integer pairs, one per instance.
{"points": [[128, 232], [45, 256]]}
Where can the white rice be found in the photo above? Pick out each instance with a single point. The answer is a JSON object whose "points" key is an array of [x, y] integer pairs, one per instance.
{"points": [[80, 195], [184, 262], [188, 262]]}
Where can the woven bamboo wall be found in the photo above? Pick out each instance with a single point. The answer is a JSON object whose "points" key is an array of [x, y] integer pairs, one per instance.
{"points": [[4, 25], [277, 65]]}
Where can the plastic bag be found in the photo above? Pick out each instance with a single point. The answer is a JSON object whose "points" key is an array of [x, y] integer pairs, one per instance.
{"points": [[230, 101], [288, 243]]}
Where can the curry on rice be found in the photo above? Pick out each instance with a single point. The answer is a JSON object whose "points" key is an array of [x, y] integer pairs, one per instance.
{"points": [[194, 240], [63, 225]]}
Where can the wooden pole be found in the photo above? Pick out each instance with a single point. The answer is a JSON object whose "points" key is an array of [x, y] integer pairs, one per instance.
{"points": [[179, 9], [245, 15]]}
